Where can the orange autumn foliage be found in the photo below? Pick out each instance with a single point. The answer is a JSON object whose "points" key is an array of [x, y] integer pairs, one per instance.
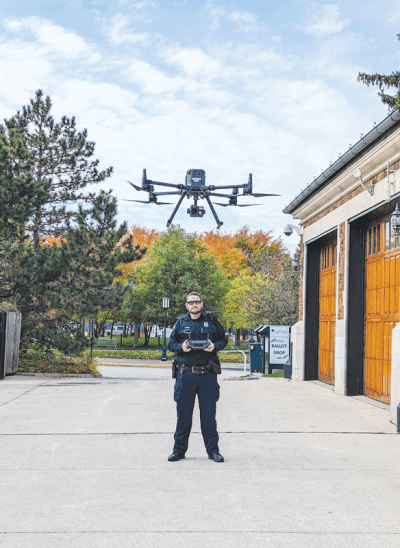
{"points": [[52, 240], [143, 236], [229, 258], [246, 239]]}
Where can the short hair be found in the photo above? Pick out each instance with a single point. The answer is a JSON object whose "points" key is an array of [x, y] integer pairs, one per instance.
{"points": [[194, 293]]}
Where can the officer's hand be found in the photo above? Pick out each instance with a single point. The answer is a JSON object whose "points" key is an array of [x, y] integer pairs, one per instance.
{"points": [[185, 347], [210, 347]]}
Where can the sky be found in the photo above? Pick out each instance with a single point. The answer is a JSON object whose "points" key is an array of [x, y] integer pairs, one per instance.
{"points": [[229, 87]]}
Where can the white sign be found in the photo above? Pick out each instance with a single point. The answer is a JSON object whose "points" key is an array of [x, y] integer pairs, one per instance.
{"points": [[279, 330], [279, 350]]}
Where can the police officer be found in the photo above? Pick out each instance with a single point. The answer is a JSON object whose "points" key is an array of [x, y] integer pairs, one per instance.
{"points": [[196, 375]]}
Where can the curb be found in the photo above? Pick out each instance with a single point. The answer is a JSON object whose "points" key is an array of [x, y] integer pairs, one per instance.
{"points": [[133, 365]]}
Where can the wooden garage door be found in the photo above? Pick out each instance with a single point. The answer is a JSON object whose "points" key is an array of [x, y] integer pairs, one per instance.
{"points": [[327, 314], [382, 308]]}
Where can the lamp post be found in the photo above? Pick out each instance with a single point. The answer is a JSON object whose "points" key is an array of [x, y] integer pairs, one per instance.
{"points": [[165, 304]]}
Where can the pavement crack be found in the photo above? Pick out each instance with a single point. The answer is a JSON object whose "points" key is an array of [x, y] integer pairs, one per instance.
{"points": [[27, 392]]}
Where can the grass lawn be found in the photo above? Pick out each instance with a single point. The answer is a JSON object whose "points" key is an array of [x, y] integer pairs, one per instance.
{"points": [[155, 355], [128, 343]]}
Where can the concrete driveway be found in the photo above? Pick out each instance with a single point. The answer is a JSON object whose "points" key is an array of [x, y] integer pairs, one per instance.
{"points": [[84, 464]]}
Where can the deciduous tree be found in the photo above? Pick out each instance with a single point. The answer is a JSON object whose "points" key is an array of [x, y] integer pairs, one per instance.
{"points": [[176, 265]]}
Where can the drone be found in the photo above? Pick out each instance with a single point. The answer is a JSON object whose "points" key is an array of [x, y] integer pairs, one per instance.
{"points": [[195, 187]]}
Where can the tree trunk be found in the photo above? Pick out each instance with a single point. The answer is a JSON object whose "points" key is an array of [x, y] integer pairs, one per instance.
{"points": [[112, 327], [147, 331], [136, 339]]}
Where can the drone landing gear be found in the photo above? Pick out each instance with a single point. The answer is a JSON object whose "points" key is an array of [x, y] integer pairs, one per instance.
{"points": [[219, 223], [169, 222]]}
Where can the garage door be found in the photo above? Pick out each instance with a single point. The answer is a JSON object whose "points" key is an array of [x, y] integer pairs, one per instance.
{"points": [[327, 314], [382, 308]]}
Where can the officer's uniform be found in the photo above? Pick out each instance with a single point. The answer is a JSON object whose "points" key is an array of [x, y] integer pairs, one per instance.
{"points": [[194, 378]]}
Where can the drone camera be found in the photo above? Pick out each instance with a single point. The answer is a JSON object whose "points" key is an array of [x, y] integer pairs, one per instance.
{"points": [[196, 211]]}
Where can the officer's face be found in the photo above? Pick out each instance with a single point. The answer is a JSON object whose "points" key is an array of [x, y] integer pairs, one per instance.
{"points": [[194, 305]]}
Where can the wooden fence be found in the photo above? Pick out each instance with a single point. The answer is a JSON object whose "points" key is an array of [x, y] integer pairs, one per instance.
{"points": [[9, 353]]}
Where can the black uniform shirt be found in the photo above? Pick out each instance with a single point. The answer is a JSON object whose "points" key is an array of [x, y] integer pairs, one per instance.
{"points": [[205, 324]]}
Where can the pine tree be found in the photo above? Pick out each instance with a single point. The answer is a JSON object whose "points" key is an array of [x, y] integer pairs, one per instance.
{"points": [[74, 277], [56, 262], [17, 187], [60, 163], [17, 191], [384, 82]]}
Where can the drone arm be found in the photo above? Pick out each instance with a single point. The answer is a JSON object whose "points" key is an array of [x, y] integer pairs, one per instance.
{"points": [[220, 195], [219, 223], [164, 184], [165, 193], [228, 186], [176, 209]]}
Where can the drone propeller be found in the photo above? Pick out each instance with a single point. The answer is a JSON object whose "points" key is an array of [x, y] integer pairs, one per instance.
{"points": [[148, 202], [258, 195], [135, 186], [237, 205]]}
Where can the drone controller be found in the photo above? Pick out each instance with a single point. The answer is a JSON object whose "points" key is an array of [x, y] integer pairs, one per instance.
{"points": [[198, 341], [198, 345]]}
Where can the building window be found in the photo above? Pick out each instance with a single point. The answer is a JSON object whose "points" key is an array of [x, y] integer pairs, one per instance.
{"points": [[328, 257], [334, 254], [374, 240], [387, 235], [392, 241]]}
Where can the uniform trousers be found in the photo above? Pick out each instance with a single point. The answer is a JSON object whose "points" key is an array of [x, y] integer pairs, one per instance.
{"points": [[206, 387]]}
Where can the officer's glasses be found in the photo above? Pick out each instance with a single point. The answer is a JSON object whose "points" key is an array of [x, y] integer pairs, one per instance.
{"points": [[191, 303]]}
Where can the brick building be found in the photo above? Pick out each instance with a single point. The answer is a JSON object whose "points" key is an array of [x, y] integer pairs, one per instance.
{"points": [[348, 333]]}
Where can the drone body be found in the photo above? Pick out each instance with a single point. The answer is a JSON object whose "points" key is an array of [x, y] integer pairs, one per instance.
{"points": [[195, 187]]}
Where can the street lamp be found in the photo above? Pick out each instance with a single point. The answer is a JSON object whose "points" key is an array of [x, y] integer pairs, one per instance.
{"points": [[297, 267], [165, 305], [395, 221]]}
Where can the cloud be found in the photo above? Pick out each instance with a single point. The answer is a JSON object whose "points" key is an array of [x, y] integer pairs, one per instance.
{"points": [[241, 17], [118, 32], [193, 62], [325, 21], [243, 21], [50, 35]]}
